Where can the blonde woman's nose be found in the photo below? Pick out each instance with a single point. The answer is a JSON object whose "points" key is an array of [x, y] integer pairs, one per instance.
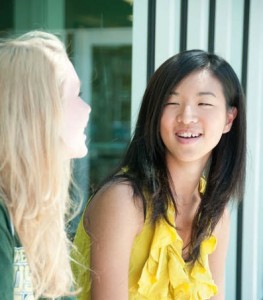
{"points": [[187, 115], [89, 108]]}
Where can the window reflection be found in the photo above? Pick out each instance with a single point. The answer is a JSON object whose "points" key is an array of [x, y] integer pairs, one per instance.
{"points": [[110, 118]]}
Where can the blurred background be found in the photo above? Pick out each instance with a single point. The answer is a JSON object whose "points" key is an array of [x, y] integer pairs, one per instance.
{"points": [[115, 46]]}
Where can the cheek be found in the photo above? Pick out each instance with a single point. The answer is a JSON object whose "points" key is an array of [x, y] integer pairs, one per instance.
{"points": [[75, 120], [76, 115], [71, 113], [215, 119], [167, 121], [163, 128], [216, 129]]}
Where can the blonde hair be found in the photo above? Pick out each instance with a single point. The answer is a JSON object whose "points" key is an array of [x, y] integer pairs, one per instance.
{"points": [[34, 177]]}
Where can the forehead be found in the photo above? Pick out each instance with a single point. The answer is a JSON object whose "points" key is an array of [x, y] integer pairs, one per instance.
{"points": [[71, 77], [70, 70], [200, 80]]}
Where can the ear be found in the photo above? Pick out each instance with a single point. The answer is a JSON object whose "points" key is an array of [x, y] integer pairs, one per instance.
{"points": [[231, 115]]}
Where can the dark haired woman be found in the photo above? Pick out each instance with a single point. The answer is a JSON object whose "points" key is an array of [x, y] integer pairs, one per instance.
{"points": [[159, 227]]}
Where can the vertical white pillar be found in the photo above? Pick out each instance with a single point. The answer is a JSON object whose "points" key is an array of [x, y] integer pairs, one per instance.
{"points": [[139, 56], [167, 38], [252, 229], [198, 18]]}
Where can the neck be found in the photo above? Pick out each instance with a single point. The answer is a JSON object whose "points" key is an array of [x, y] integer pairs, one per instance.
{"points": [[185, 178]]}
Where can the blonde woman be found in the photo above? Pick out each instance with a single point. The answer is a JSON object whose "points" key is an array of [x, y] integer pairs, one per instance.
{"points": [[42, 122]]}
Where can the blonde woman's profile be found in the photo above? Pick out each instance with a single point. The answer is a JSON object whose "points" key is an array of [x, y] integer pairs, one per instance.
{"points": [[42, 122]]}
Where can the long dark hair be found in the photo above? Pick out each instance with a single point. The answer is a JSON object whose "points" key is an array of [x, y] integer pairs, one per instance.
{"points": [[145, 156]]}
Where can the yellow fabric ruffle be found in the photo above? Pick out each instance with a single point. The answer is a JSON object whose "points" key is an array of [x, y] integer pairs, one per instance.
{"points": [[165, 275]]}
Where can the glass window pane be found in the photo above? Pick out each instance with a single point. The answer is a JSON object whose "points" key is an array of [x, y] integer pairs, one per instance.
{"points": [[110, 118], [98, 35]]}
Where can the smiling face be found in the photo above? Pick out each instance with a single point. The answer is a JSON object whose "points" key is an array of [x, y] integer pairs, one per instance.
{"points": [[195, 117], [76, 116]]}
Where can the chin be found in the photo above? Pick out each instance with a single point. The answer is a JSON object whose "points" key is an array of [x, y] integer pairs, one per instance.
{"points": [[76, 153], [81, 154]]}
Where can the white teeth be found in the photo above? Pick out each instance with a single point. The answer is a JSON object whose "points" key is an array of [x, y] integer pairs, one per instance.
{"points": [[188, 135]]}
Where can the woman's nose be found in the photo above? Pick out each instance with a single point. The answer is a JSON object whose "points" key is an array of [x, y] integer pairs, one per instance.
{"points": [[89, 108], [187, 115]]}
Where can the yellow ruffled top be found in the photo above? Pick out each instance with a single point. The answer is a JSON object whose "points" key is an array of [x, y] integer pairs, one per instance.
{"points": [[157, 270]]}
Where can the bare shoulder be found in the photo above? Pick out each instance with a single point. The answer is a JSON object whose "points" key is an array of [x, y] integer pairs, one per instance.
{"points": [[113, 205], [222, 233], [223, 225], [113, 218], [217, 260]]}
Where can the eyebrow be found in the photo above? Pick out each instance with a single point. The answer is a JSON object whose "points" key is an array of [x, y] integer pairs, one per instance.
{"points": [[198, 94], [206, 93]]}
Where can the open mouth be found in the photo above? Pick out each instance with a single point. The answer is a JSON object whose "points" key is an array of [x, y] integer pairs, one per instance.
{"points": [[188, 135]]}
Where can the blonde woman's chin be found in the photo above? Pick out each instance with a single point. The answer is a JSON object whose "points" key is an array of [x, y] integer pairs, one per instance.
{"points": [[75, 152]]}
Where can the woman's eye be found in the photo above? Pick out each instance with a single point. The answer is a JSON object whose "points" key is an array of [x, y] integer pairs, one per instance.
{"points": [[172, 103], [80, 94], [204, 104]]}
